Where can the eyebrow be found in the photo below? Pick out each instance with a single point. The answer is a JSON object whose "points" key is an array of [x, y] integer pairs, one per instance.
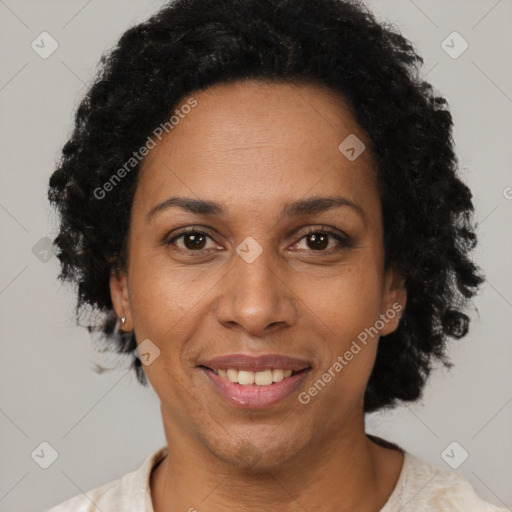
{"points": [[294, 209]]}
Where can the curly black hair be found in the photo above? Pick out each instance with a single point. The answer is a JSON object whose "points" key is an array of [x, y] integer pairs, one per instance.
{"points": [[190, 45]]}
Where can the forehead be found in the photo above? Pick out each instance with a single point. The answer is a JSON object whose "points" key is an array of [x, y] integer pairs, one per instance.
{"points": [[258, 141]]}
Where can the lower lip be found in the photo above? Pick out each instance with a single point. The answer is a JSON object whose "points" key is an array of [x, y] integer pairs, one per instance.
{"points": [[256, 397]]}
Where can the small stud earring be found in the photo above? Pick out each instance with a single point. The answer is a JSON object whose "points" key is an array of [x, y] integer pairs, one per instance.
{"points": [[123, 321]]}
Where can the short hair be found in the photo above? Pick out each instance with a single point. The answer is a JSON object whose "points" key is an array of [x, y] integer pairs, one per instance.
{"points": [[190, 45]]}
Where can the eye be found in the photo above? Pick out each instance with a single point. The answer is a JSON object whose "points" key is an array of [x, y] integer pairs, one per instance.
{"points": [[318, 240], [193, 240]]}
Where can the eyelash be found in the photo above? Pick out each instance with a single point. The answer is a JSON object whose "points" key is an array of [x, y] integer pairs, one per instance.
{"points": [[344, 241]]}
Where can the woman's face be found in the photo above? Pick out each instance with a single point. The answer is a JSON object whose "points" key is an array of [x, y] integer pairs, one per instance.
{"points": [[271, 272]]}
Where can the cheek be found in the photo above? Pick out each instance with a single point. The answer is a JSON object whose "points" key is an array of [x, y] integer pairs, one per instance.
{"points": [[162, 296], [163, 311], [347, 302], [159, 312], [168, 305], [346, 308]]}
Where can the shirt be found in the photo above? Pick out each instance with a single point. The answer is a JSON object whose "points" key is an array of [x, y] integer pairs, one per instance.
{"points": [[421, 487]]}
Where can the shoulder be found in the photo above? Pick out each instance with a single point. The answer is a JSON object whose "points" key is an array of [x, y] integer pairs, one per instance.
{"points": [[423, 487], [129, 493], [105, 498]]}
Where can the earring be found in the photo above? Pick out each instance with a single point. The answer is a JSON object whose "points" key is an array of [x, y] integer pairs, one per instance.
{"points": [[123, 321]]}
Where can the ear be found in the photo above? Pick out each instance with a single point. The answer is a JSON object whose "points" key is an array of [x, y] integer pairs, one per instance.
{"points": [[120, 298], [394, 301]]}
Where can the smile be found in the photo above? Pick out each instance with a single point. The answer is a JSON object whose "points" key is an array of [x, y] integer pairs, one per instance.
{"points": [[248, 378], [255, 382]]}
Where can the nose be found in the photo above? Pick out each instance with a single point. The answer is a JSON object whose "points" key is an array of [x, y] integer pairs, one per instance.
{"points": [[255, 297]]}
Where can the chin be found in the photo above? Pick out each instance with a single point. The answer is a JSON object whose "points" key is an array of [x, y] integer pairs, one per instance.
{"points": [[259, 452]]}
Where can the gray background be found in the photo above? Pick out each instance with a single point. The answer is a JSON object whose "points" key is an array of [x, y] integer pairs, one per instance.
{"points": [[103, 426]]}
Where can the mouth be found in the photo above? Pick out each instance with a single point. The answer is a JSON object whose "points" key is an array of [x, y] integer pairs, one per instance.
{"points": [[266, 377], [255, 382]]}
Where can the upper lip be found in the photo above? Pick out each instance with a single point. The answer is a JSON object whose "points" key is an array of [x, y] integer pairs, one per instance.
{"points": [[255, 363]]}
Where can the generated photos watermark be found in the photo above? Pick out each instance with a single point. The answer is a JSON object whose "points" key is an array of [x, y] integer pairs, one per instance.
{"points": [[133, 161], [349, 354]]}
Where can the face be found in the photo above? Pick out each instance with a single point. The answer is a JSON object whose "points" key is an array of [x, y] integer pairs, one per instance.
{"points": [[269, 281]]}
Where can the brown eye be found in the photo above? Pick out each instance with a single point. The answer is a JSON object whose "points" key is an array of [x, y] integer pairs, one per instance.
{"points": [[318, 241], [192, 240]]}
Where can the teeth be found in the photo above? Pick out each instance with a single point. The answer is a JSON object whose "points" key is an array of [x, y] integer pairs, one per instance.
{"points": [[248, 378], [263, 378], [232, 375], [245, 378], [277, 375]]}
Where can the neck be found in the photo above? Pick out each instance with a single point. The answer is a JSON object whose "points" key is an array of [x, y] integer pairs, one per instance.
{"points": [[348, 473]]}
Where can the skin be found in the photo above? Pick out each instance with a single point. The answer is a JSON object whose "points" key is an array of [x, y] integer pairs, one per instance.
{"points": [[253, 147]]}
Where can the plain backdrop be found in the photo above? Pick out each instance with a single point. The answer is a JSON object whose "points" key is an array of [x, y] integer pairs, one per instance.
{"points": [[102, 426]]}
